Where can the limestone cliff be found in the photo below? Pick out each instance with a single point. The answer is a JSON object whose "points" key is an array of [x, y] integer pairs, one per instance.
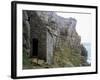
{"points": [[67, 47]]}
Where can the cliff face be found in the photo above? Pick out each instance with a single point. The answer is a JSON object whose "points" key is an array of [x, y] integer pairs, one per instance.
{"points": [[67, 49], [64, 27]]}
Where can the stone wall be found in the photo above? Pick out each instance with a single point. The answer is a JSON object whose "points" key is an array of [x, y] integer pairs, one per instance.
{"points": [[50, 48], [38, 31]]}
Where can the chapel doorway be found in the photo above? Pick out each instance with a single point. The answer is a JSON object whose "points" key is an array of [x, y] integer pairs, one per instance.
{"points": [[34, 47]]}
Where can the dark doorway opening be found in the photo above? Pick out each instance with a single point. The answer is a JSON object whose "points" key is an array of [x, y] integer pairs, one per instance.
{"points": [[34, 47]]}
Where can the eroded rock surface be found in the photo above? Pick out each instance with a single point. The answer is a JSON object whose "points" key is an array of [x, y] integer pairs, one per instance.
{"points": [[56, 35]]}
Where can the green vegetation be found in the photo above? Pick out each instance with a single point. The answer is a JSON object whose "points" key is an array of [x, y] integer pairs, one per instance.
{"points": [[26, 60], [64, 57], [67, 57], [31, 63]]}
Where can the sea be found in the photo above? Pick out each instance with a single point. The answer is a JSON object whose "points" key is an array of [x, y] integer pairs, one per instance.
{"points": [[88, 48]]}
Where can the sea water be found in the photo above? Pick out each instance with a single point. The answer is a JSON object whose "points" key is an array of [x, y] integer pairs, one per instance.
{"points": [[88, 48]]}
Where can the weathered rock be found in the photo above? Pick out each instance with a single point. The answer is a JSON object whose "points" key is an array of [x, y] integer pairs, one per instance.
{"points": [[51, 31], [26, 32]]}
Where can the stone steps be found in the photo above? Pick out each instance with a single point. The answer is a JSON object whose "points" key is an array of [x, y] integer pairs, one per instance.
{"points": [[37, 61]]}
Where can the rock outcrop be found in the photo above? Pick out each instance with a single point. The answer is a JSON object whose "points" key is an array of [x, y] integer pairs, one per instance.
{"points": [[67, 47]]}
